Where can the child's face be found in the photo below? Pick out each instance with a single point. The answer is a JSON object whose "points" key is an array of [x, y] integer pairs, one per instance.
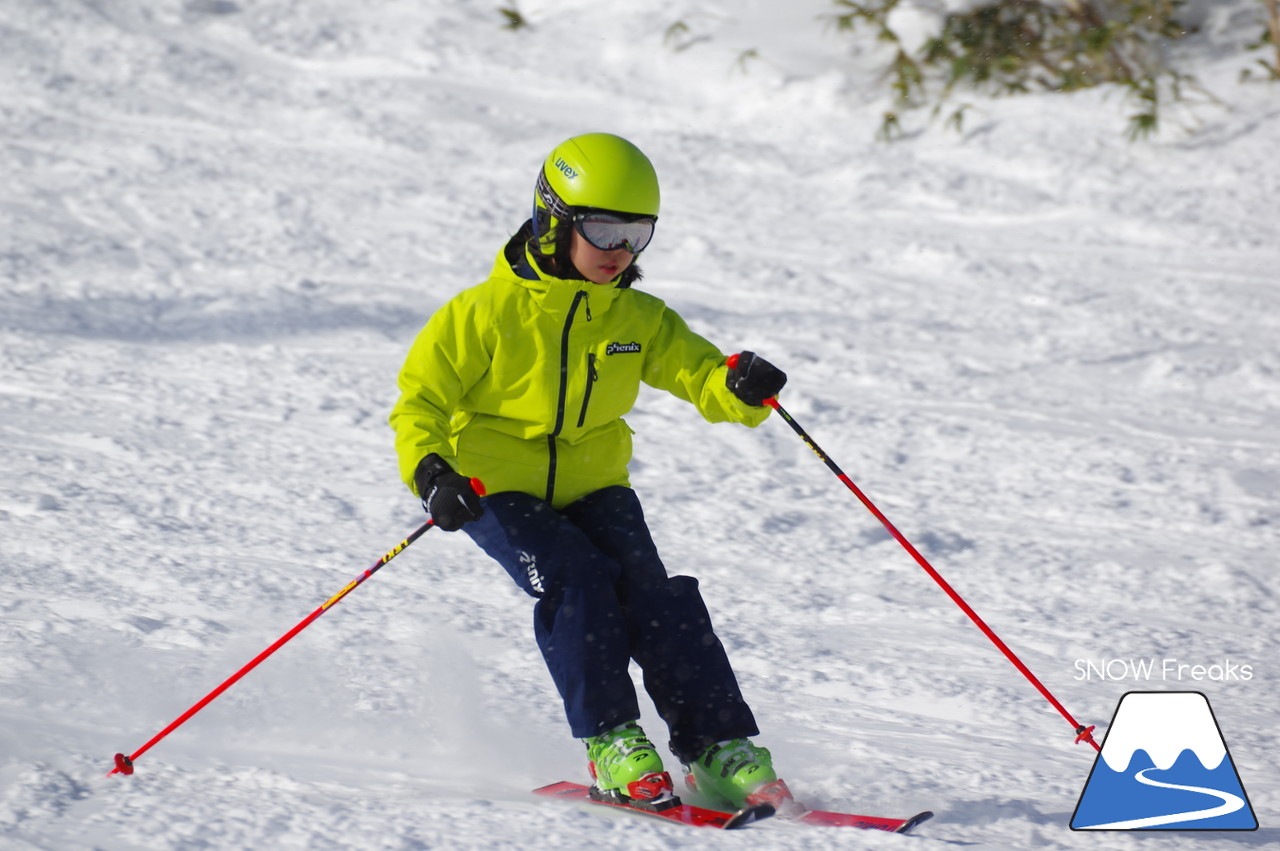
{"points": [[598, 267]]}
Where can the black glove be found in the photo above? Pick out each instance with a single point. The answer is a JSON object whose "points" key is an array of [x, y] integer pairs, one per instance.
{"points": [[753, 379], [447, 496]]}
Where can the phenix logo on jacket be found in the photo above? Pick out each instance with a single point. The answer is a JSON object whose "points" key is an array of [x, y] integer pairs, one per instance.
{"points": [[508, 381]]}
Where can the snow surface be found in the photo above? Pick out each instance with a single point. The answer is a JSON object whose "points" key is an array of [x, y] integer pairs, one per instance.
{"points": [[1049, 355]]}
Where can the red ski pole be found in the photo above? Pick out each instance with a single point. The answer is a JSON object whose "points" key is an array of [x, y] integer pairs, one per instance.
{"points": [[124, 764], [1083, 733]]}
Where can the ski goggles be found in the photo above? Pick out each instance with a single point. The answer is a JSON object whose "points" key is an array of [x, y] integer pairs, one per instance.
{"points": [[610, 231]]}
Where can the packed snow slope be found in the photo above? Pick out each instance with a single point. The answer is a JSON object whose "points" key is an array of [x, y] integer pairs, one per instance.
{"points": [[1051, 356]]}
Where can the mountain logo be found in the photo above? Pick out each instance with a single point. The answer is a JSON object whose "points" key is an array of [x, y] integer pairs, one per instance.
{"points": [[1164, 765]]}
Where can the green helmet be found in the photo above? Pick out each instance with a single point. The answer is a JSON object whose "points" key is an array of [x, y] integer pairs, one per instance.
{"points": [[597, 170]]}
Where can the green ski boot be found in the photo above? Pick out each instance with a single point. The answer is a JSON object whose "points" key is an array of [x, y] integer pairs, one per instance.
{"points": [[626, 766], [741, 774]]}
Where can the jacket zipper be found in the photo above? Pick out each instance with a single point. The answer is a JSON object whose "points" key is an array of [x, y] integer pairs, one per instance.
{"points": [[564, 392], [592, 375]]}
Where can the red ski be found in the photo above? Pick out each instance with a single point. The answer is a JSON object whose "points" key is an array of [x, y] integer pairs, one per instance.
{"points": [[822, 818], [696, 816], [670, 809]]}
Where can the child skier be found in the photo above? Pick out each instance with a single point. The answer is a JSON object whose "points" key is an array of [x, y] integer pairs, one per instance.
{"points": [[522, 382]]}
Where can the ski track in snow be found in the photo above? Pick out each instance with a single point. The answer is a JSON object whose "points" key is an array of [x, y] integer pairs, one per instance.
{"points": [[1049, 355]]}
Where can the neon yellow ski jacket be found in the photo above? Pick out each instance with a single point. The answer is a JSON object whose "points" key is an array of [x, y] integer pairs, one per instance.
{"points": [[522, 381]]}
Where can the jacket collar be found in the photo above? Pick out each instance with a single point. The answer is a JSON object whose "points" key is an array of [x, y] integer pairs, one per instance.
{"points": [[554, 295]]}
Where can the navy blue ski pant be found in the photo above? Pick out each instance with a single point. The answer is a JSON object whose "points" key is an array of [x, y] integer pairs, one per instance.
{"points": [[603, 599]]}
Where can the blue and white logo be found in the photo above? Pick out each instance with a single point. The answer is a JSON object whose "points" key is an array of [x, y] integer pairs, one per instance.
{"points": [[1164, 766]]}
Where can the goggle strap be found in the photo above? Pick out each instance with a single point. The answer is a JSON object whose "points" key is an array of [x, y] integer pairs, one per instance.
{"points": [[554, 203]]}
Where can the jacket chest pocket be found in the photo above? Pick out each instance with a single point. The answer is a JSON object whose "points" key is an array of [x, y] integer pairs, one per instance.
{"points": [[609, 385], [592, 376]]}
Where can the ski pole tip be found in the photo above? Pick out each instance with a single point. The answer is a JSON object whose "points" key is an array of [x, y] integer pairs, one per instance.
{"points": [[124, 765]]}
